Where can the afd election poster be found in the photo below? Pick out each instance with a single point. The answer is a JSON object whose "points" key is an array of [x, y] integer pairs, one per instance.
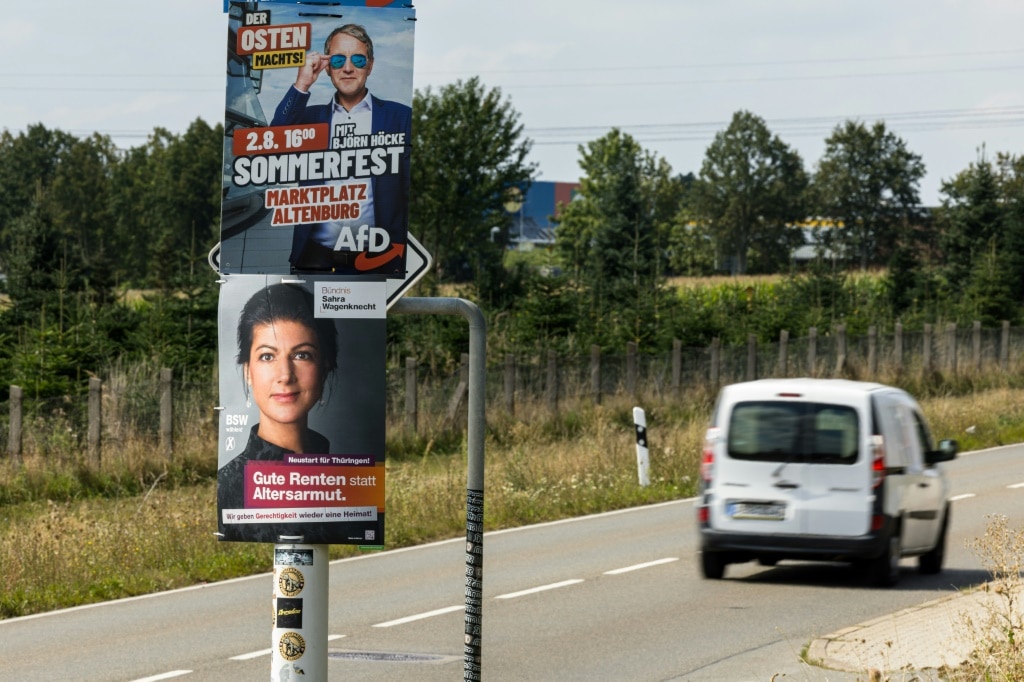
{"points": [[301, 432], [317, 140]]}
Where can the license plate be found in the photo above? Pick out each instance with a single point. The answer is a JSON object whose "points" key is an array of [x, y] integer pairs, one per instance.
{"points": [[759, 511]]}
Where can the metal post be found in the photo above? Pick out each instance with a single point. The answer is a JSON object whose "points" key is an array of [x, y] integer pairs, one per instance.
{"points": [[475, 470], [301, 588]]}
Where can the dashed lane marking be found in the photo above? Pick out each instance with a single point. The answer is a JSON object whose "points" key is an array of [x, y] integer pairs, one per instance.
{"points": [[542, 588], [419, 616], [637, 567]]}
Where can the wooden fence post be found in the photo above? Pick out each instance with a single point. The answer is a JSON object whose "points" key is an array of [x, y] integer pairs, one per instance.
{"points": [[509, 383], [716, 351], [926, 350], [840, 349], [677, 368], [167, 412], [812, 351], [873, 351], [551, 385], [461, 389], [595, 374], [897, 346], [976, 345], [14, 436], [751, 357], [412, 408], [783, 353], [95, 419], [951, 347], [1004, 347], [631, 369]]}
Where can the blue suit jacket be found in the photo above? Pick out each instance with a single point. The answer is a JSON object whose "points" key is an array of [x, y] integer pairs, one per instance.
{"points": [[390, 192]]}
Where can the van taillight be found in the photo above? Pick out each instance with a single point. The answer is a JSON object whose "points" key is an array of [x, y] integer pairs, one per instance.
{"points": [[705, 465], [708, 457], [877, 460]]}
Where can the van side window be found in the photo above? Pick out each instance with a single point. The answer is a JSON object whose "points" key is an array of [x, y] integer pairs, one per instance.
{"points": [[925, 435], [782, 431]]}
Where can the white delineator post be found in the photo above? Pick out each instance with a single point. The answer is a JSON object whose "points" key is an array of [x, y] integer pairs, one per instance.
{"points": [[299, 641], [643, 458]]}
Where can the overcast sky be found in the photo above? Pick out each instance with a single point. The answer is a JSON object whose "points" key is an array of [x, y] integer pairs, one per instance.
{"points": [[945, 75]]}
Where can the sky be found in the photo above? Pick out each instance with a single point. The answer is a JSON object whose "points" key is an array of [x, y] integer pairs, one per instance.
{"points": [[944, 75]]}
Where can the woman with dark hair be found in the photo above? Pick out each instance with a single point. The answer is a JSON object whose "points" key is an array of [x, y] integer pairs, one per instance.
{"points": [[286, 355]]}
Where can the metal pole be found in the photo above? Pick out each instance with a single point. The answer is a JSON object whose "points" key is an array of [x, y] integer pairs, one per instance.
{"points": [[301, 588], [477, 424]]}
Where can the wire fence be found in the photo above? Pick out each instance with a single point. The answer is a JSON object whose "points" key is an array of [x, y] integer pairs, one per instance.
{"points": [[146, 403]]}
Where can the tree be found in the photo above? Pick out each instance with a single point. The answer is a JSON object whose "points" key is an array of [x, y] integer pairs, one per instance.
{"points": [[691, 251], [1011, 186], [867, 182], [613, 236], [79, 200], [750, 192], [468, 152], [32, 258], [28, 163], [971, 218], [183, 201], [55, 239]]}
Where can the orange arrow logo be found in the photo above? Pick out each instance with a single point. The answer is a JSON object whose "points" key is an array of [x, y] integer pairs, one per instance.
{"points": [[364, 261]]}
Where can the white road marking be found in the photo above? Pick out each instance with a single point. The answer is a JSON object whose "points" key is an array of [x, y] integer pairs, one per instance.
{"points": [[252, 654], [965, 496], [542, 588], [637, 567], [419, 616], [164, 676], [267, 652], [1016, 485]]}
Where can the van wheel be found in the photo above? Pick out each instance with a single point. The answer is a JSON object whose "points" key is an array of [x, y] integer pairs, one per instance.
{"points": [[713, 565], [885, 569], [931, 562]]}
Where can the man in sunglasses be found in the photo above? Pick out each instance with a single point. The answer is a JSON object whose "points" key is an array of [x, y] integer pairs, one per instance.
{"points": [[383, 200]]}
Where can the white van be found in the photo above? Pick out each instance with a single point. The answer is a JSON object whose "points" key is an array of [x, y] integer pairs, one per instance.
{"points": [[822, 469]]}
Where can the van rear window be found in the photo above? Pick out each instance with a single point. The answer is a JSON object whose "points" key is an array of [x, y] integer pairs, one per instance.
{"points": [[788, 431]]}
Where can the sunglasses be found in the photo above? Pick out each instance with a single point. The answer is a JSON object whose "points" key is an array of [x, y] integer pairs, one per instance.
{"points": [[358, 61]]}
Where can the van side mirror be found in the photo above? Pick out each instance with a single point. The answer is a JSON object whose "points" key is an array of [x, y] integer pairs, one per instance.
{"points": [[948, 448]]}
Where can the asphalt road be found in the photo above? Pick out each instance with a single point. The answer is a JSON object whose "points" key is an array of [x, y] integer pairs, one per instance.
{"points": [[608, 597]]}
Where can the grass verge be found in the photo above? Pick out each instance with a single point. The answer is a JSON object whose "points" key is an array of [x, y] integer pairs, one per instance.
{"points": [[540, 467]]}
